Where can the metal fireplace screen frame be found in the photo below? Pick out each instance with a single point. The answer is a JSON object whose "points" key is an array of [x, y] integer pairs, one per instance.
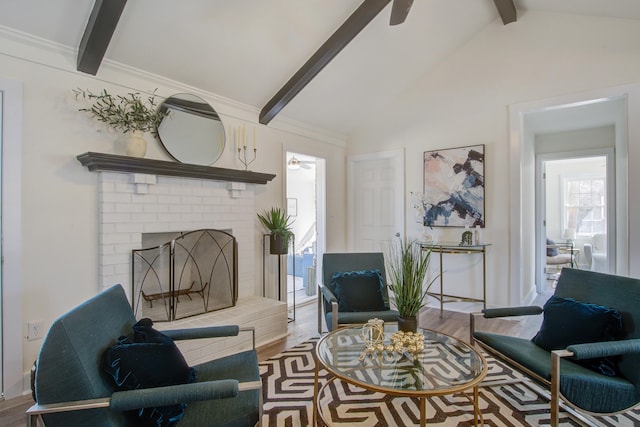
{"points": [[192, 274]]}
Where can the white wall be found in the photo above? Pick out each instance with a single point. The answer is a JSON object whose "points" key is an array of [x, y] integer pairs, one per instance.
{"points": [[465, 101], [59, 196]]}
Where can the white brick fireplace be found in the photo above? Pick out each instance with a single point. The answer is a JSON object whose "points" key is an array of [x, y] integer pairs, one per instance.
{"points": [[131, 204]]}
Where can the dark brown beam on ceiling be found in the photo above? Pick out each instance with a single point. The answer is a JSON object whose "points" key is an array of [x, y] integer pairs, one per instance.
{"points": [[97, 35], [359, 19], [507, 11]]}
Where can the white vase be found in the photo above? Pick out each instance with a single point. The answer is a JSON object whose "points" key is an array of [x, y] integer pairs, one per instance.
{"points": [[134, 144]]}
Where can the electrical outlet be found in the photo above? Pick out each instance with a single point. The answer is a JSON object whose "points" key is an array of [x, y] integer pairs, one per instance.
{"points": [[35, 330]]}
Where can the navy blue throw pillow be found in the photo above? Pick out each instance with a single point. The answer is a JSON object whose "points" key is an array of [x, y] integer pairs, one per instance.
{"points": [[359, 291], [148, 359], [551, 251], [567, 321]]}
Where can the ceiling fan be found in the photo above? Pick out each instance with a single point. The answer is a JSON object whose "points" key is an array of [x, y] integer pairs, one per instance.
{"points": [[295, 163], [399, 11]]}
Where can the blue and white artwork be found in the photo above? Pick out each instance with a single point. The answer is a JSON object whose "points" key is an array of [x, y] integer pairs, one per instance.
{"points": [[454, 187]]}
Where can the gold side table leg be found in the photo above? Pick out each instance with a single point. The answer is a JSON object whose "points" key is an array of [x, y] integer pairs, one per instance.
{"points": [[476, 408], [315, 397], [423, 412], [441, 286]]}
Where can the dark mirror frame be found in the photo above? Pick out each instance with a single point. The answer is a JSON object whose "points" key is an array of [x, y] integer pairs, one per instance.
{"points": [[192, 132]]}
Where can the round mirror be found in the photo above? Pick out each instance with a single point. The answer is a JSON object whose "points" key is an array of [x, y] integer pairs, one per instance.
{"points": [[192, 132]]}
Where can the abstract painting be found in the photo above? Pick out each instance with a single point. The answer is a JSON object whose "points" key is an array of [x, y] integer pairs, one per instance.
{"points": [[453, 192]]}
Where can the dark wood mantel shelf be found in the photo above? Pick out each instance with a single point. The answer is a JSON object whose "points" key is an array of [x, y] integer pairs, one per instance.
{"points": [[110, 162]]}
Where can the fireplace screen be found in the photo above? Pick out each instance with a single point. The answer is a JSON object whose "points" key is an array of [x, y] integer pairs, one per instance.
{"points": [[191, 274]]}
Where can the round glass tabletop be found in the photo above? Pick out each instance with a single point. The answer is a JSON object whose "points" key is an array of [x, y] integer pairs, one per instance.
{"points": [[445, 366]]}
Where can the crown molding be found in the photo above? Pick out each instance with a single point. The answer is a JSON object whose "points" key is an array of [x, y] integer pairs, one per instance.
{"points": [[51, 54]]}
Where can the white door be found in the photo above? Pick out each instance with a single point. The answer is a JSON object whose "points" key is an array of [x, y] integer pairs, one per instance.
{"points": [[375, 200]]}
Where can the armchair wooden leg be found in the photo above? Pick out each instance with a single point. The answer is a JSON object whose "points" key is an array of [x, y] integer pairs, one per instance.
{"points": [[556, 356], [334, 317], [319, 310], [32, 420]]}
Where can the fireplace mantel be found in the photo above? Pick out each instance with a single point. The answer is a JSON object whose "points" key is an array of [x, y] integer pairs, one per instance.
{"points": [[96, 162]]}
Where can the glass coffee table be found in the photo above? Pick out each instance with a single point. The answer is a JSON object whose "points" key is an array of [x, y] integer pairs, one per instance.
{"points": [[445, 366]]}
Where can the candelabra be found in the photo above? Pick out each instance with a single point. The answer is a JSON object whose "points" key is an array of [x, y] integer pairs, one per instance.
{"points": [[243, 158], [241, 143]]}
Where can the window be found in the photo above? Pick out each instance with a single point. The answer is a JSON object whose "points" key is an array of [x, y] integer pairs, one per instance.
{"points": [[584, 203]]}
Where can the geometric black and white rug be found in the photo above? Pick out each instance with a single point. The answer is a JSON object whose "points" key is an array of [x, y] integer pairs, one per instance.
{"points": [[287, 381]]}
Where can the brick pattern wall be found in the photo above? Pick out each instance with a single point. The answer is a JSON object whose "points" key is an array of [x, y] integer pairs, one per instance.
{"points": [[131, 204]]}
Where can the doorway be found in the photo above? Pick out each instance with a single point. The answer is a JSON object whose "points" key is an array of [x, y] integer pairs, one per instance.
{"points": [[11, 334], [305, 193], [605, 107], [575, 214]]}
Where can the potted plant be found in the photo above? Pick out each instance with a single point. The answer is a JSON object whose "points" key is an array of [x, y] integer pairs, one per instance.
{"points": [[130, 114], [279, 225], [407, 268]]}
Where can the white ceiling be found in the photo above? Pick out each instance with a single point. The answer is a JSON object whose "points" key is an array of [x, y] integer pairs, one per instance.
{"points": [[245, 50]]}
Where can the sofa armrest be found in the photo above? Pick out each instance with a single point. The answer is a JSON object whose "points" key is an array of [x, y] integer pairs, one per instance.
{"points": [[530, 310], [159, 396], [493, 313], [206, 332], [604, 349], [328, 295], [163, 396], [210, 332]]}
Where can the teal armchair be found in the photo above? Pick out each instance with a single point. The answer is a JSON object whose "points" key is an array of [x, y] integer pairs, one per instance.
{"points": [[328, 297], [563, 370], [71, 390]]}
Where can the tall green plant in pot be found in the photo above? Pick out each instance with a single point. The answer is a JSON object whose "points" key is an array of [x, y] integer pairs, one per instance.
{"points": [[278, 223], [407, 269]]}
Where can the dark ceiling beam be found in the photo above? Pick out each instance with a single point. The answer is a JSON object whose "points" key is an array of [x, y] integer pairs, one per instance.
{"points": [[399, 11], [97, 35], [359, 19], [507, 11]]}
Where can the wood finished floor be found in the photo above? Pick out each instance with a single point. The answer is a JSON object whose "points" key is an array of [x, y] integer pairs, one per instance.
{"points": [[305, 326]]}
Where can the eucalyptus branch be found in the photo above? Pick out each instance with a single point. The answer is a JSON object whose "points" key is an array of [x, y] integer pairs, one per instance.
{"points": [[123, 113]]}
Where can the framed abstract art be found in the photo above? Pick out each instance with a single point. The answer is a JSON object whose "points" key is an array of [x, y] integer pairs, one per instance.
{"points": [[453, 187]]}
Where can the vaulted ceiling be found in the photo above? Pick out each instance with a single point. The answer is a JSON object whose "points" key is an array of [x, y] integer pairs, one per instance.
{"points": [[246, 50]]}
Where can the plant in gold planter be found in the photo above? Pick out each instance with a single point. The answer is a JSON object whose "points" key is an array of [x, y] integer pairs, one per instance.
{"points": [[407, 269], [279, 225], [131, 114]]}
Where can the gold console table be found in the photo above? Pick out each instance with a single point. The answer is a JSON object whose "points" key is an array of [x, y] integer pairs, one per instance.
{"points": [[456, 248]]}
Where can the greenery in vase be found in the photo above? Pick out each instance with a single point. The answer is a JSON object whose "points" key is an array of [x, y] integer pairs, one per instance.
{"points": [[277, 222], [407, 268], [123, 113]]}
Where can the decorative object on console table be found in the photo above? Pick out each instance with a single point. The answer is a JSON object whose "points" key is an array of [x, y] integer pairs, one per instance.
{"points": [[453, 193], [127, 114], [467, 237], [408, 267]]}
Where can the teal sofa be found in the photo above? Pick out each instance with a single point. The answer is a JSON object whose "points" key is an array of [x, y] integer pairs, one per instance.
{"points": [[561, 370]]}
